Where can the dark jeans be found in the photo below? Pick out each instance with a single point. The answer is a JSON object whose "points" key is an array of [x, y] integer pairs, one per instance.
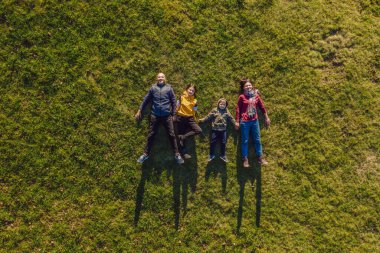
{"points": [[187, 127], [155, 121], [215, 137]]}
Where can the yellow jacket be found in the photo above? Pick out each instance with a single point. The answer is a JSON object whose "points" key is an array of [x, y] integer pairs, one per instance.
{"points": [[186, 105]]}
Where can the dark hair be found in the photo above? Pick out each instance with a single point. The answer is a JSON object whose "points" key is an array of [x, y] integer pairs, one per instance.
{"points": [[243, 81], [191, 85]]}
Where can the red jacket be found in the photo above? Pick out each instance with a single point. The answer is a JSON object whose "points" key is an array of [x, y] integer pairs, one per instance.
{"points": [[242, 106]]}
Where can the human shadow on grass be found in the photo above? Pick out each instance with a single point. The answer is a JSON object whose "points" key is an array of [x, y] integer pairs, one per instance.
{"points": [[248, 176], [184, 176], [217, 166], [189, 175], [189, 172]]}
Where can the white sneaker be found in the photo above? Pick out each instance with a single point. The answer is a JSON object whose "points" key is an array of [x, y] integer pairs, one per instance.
{"points": [[211, 158], [179, 159], [224, 158], [142, 158]]}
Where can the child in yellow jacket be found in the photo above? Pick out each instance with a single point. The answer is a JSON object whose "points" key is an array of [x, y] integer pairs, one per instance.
{"points": [[186, 109]]}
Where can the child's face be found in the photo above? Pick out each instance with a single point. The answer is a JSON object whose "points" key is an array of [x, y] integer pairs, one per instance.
{"points": [[222, 105], [190, 91]]}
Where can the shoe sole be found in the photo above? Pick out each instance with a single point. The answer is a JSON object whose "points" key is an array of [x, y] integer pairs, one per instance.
{"points": [[224, 160], [142, 160]]}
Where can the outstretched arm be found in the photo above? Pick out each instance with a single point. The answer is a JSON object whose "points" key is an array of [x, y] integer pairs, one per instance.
{"points": [[146, 100], [232, 120], [173, 102], [238, 111], [209, 116], [260, 104]]}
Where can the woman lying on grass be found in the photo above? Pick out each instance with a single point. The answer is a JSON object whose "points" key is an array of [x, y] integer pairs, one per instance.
{"points": [[246, 114]]}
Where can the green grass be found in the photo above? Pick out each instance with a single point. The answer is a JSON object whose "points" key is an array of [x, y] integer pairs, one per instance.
{"points": [[74, 73]]}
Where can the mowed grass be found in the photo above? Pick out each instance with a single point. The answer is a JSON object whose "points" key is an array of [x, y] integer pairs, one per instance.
{"points": [[73, 75]]}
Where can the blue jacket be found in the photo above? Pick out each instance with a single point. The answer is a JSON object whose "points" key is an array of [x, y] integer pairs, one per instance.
{"points": [[162, 98]]}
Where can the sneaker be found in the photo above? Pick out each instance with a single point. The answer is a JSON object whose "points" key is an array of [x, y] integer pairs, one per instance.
{"points": [[211, 158], [245, 162], [142, 158], [179, 159], [186, 156], [262, 161], [224, 158]]}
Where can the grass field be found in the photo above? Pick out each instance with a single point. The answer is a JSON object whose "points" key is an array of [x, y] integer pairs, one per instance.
{"points": [[73, 74]]}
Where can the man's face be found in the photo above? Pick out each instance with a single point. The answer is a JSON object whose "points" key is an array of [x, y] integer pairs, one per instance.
{"points": [[161, 78]]}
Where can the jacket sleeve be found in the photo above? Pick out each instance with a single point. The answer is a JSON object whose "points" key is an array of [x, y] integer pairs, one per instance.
{"points": [[209, 116], [238, 109], [147, 99], [232, 120], [260, 105], [172, 102]]}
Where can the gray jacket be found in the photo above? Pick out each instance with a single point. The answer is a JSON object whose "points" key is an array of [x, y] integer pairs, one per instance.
{"points": [[162, 98]]}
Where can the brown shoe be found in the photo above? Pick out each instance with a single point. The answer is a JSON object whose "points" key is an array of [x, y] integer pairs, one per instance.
{"points": [[262, 161], [245, 162]]}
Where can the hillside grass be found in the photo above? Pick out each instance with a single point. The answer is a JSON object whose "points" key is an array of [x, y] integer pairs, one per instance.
{"points": [[74, 73]]}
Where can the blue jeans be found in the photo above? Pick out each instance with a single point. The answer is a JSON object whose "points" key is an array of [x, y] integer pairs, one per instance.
{"points": [[215, 137], [254, 128]]}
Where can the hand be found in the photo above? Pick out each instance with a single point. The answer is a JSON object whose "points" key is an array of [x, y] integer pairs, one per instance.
{"points": [[267, 121], [200, 120], [237, 126], [138, 115]]}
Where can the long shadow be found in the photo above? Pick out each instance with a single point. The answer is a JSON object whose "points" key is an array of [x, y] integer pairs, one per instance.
{"points": [[189, 174], [160, 160], [217, 166], [151, 171], [189, 171], [184, 176], [248, 175]]}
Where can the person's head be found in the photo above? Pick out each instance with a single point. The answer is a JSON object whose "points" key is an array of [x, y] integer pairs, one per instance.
{"points": [[161, 78], [245, 85], [222, 104], [191, 89]]}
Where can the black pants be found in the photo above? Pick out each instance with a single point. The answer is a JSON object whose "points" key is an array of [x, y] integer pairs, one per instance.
{"points": [[187, 127], [155, 121], [215, 137]]}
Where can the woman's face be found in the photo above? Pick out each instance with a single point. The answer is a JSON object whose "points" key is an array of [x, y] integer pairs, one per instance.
{"points": [[190, 91], [248, 86]]}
